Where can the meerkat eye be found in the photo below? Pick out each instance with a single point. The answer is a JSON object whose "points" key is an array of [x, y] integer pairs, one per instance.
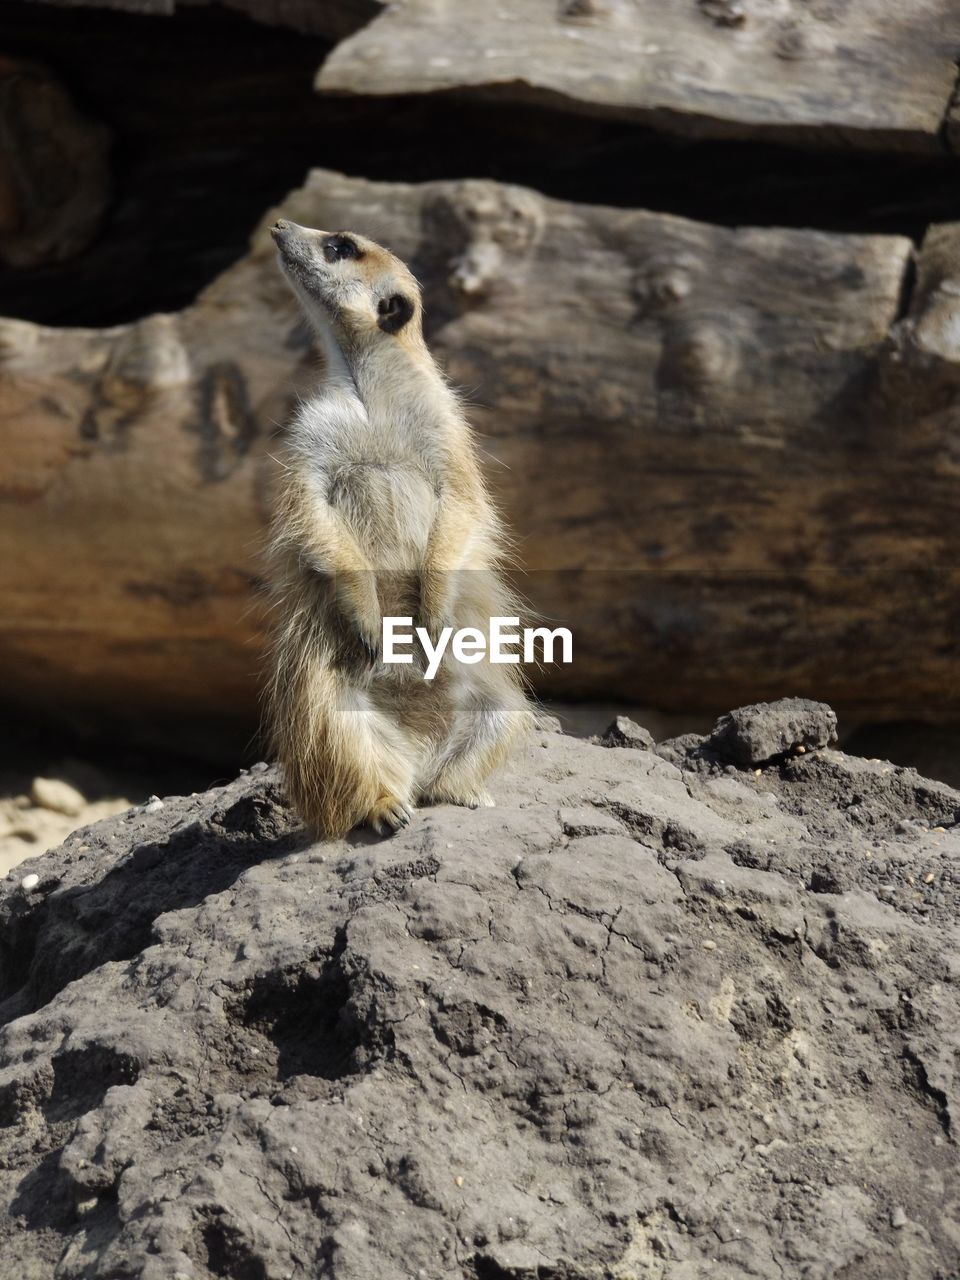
{"points": [[336, 248], [394, 312]]}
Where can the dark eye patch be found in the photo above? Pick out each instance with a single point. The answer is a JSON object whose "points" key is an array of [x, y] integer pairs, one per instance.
{"points": [[337, 248]]}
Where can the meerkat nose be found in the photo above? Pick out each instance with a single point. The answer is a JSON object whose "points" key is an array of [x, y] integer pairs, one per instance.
{"points": [[279, 227]]}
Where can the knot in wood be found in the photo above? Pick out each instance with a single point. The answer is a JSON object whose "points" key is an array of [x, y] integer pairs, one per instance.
{"points": [[699, 352]]}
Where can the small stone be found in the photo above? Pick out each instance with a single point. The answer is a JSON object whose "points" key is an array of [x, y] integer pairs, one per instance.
{"points": [[768, 730], [29, 883], [57, 795], [928, 878], [458, 1180], [709, 945], [898, 1217], [624, 732], [153, 805]]}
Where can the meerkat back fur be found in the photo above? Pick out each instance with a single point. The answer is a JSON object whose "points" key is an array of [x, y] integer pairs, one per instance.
{"points": [[382, 511]]}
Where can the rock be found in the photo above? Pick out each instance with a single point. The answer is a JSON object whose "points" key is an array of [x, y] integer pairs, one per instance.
{"points": [[898, 1217], [624, 732], [758, 733], [57, 795], [496, 1044]]}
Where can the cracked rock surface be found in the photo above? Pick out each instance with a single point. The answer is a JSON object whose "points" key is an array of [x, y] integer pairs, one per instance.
{"points": [[652, 1016]]}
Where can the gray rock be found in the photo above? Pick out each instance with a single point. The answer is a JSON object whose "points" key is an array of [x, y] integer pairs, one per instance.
{"points": [[761, 732], [624, 732], [604, 1027]]}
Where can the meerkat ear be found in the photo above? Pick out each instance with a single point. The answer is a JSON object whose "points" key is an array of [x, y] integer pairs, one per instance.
{"points": [[394, 312]]}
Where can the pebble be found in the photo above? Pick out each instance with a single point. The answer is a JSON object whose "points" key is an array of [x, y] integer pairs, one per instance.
{"points": [[57, 795], [153, 805], [928, 878], [29, 883], [459, 1180], [709, 945], [898, 1217]]}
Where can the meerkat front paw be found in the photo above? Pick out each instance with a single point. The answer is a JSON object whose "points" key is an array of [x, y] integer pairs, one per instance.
{"points": [[388, 815], [369, 645], [434, 624], [361, 610]]}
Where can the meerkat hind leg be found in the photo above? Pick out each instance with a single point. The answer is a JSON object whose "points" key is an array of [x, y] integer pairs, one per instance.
{"points": [[479, 740], [388, 757]]}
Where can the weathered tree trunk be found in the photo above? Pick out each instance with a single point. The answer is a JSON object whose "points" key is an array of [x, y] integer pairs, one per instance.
{"points": [[730, 460], [866, 73]]}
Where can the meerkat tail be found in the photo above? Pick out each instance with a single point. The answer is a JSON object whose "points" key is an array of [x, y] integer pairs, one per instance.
{"points": [[344, 763]]}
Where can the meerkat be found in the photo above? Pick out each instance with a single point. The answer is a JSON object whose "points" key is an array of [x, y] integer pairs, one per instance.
{"points": [[382, 511]]}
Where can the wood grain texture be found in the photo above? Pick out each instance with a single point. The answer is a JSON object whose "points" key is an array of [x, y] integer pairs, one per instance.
{"points": [[861, 72], [729, 456]]}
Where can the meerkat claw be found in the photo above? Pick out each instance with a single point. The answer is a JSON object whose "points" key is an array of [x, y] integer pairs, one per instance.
{"points": [[389, 815], [371, 649]]}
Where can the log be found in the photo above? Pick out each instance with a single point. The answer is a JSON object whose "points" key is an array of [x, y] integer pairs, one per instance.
{"points": [[862, 74], [728, 456]]}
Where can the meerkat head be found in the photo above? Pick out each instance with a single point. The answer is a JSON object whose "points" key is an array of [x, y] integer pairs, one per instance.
{"points": [[350, 282]]}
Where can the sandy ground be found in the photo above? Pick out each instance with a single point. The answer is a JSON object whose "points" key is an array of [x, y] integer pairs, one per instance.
{"points": [[28, 828]]}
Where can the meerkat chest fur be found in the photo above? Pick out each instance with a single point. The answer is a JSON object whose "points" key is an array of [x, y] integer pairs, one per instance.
{"points": [[379, 442]]}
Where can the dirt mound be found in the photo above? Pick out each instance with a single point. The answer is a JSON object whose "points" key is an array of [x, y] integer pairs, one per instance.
{"points": [[652, 1016]]}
